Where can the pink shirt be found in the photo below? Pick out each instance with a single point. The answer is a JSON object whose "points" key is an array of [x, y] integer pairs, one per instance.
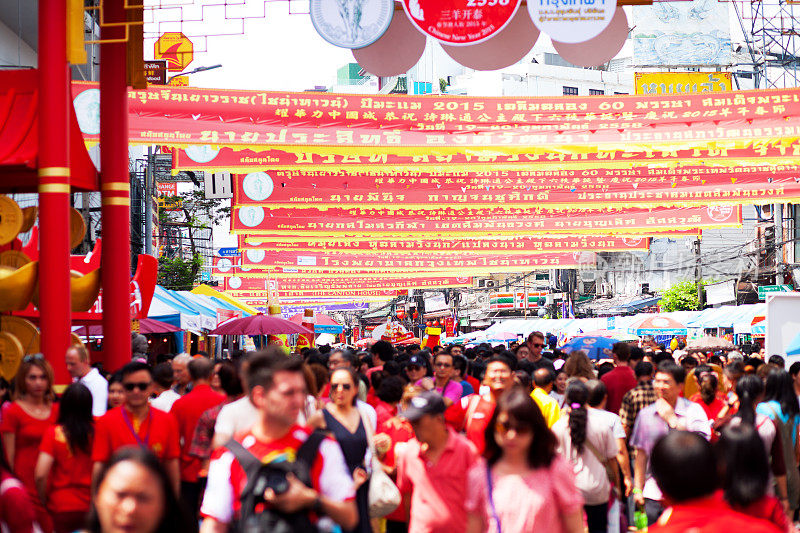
{"points": [[438, 490], [535, 502]]}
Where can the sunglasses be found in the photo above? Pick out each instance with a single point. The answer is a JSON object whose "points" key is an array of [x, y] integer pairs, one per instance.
{"points": [[504, 427], [32, 357], [413, 368], [537, 345], [343, 386], [143, 386]]}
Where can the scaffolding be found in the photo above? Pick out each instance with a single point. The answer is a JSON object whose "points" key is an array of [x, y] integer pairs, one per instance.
{"points": [[770, 29]]}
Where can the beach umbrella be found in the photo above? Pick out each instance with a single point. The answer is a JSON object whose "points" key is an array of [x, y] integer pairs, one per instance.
{"points": [[595, 347], [657, 325]]}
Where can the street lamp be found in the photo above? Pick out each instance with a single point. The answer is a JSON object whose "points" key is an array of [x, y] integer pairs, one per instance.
{"points": [[198, 69]]}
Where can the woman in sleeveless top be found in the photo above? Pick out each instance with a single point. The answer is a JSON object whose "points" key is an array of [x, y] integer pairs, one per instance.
{"points": [[344, 421]]}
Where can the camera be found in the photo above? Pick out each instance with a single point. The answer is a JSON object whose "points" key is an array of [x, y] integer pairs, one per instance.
{"points": [[271, 478]]}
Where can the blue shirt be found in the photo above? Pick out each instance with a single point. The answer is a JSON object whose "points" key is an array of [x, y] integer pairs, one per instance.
{"points": [[466, 388]]}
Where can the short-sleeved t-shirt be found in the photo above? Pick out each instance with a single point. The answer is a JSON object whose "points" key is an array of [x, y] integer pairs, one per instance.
{"points": [[590, 472], [187, 411], [618, 382], [158, 432], [28, 432], [438, 490], [16, 511], [476, 411], [549, 407], [70, 480], [226, 478], [536, 501]]}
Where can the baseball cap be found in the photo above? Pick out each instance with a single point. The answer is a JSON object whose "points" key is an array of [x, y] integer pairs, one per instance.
{"points": [[416, 360], [427, 403]]}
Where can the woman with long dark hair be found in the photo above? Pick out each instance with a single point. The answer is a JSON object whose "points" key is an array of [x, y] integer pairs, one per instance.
{"points": [[135, 494], [24, 423], [743, 467], [780, 405], [523, 485], [63, 473], [587, 441]]}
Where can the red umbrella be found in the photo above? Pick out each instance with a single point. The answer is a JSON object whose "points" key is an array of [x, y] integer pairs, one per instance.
{"points": [[259, 324], [146, 325], [321, 319]]}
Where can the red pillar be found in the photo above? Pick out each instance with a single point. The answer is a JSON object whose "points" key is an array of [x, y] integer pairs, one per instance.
{"points": [[115, 188], [54, 176]]}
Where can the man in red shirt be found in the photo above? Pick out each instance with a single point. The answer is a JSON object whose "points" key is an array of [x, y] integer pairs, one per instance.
{"points": [[621, 379], [684, 467], [135, 423], [187, 411], [278, 391], [432, 468], [477, 409]]}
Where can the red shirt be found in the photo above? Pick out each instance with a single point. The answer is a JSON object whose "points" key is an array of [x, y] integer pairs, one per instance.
{"points": [[187, 410], [618, 382], [226, 478], [398, 430], [70, 480], [158, 432], [712, 410], [384, 411], [708, 515], [16, 511], [28, 432], [476, 411], [438, 490], [476, 385]]}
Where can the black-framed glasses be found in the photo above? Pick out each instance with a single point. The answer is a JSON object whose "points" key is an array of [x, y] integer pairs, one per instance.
{"points": [[343, 386], [33, 357], [142, 386]]}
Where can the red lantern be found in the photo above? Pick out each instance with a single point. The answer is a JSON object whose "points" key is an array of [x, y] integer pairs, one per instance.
{"points": [[429, 323], [436, 323], [401, 313], [416, 316]]}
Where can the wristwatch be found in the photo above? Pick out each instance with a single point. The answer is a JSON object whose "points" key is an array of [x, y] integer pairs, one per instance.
{"points": [[317, 506]]}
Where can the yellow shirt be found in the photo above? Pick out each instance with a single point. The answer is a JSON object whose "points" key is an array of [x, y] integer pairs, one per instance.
{"points": [[547, 405]]}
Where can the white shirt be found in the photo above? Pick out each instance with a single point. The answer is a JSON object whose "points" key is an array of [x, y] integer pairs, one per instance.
{"points": [[98, 386], [613, 421], [236, 417], [165, 400]]}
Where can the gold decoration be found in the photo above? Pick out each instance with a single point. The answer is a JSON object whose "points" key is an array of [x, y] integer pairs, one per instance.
{"points": [[11, 353], [85, 290], [10, 219], [17, 286], [14, 259], [29, 215], [24, 331]]}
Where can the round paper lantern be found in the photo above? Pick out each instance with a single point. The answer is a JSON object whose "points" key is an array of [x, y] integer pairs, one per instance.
{"points": [[429, 323], [395, 52], [600, 49], [502, 50], [436, 323]]}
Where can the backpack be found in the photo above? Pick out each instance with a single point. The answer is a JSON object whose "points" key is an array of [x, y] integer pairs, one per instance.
{"points": [[261, 476]]}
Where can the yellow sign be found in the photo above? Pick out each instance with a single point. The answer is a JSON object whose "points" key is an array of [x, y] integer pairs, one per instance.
{"points": [[682, 82], [176, 48], [180, 81]]}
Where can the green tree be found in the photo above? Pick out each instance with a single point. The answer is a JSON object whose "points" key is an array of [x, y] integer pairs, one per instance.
{"points": [[177, 273], [681, 297]]}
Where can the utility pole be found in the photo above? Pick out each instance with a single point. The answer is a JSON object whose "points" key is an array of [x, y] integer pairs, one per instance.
{"points": [[698, 273]]}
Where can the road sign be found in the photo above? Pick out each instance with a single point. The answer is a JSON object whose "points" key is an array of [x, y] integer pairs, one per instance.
{"points": [[229, 252], [766, 289], [155, 72], [176, 49]]}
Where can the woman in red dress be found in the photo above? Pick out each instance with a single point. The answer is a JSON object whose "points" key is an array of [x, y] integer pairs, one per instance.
{"points": [[25, 421]]}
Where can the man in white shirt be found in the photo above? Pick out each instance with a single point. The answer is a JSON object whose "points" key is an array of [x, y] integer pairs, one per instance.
{"points": [[79, 367], [165, 396]]}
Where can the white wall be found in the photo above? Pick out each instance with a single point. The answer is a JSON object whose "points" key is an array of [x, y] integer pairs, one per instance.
{"points": [[14, 51]]}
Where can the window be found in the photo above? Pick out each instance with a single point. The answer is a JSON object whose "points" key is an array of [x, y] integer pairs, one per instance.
{"points": [[619, 93], [596, 92], [570, 91]]}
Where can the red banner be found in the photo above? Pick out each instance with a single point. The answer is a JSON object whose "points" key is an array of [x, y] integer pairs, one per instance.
{"points": [[182, 116], [236, 159], [524, 188], [314, 284], [254, 246], [301, 223], [287, 262]]}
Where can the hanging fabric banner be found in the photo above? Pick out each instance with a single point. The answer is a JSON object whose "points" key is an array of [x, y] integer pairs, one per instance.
{"points": [[329, 262], [462, 188], [775, 154], [315, 284], [299, 224], [255, 248], [185, 116]]}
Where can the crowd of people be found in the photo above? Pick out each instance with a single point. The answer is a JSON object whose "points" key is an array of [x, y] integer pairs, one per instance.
{"points": [[515, 439]]}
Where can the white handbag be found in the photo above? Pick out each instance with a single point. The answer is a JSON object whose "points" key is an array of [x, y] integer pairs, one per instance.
{"points": [[383, 496]]}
